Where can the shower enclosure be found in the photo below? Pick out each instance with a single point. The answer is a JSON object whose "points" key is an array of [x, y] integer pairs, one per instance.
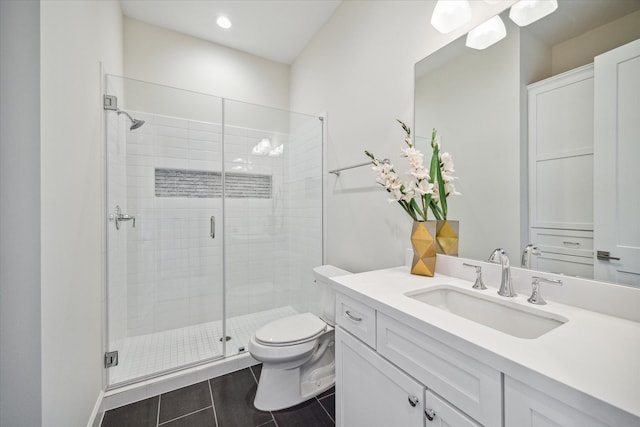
{"points": [[213, 224]]}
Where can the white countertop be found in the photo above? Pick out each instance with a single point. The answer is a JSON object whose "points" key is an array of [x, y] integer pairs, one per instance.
{"points": [[594, 353]]}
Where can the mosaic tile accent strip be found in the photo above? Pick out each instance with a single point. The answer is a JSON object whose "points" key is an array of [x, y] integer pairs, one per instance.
{"points": [[208, 184], [248, 186]]}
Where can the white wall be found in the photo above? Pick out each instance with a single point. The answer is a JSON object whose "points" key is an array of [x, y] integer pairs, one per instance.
{"points": [[75, 37], [167, 57], [360, 69], [20, 331], [581, 50]]}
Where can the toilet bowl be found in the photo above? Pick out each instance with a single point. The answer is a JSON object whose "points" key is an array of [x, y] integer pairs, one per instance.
{"points": [[297, 352]]}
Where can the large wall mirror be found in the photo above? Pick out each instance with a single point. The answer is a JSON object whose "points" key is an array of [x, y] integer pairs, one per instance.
{"points": [[477, 100]]}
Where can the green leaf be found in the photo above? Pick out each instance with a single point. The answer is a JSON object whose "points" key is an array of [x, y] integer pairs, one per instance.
{"points": [[435, 166], [414, 205]]}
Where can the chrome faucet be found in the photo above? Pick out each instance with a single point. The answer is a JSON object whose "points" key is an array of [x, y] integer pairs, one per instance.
{"points": [[499, 256], [529, 250]]}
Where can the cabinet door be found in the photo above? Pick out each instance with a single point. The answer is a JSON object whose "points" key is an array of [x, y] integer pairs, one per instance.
{"points": [[561, 151], [370, 392], [439, 413], [617, 133], [525, 406]]}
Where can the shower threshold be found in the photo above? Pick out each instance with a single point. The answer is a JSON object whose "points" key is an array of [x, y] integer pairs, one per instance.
{"points": [[147, 355]]}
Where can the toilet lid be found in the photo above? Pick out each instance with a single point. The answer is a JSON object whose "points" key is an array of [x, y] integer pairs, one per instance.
{"points": [[290, 329]]}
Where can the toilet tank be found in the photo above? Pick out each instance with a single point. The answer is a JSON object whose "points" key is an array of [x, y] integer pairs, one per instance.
{"points": [[326, 290]]}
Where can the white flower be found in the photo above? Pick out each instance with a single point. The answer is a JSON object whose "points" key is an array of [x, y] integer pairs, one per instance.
{"points": [[396, 190], [418, 184], [420, 174], [446, 163], [423, 187], [450, 189], [415, 158]]}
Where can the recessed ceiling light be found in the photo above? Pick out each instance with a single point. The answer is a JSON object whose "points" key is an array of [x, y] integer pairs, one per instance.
{"points": [[223, 22]]}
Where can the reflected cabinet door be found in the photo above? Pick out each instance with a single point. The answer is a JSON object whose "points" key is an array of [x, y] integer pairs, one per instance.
{"points": [[617, 152]]}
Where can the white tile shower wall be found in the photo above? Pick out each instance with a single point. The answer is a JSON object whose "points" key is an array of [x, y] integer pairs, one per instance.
{"points": [[174, 267], [304, 212], [255, 228]]}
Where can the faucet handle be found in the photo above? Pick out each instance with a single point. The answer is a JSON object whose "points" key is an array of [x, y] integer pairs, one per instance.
{"points": [[478, 283], [536, 296]]}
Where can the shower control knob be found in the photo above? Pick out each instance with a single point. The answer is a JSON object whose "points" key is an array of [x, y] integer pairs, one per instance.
{"points": [[118, 217]]}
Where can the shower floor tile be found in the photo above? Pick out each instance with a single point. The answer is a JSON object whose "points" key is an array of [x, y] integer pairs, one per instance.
{"points": [[151, 354]]}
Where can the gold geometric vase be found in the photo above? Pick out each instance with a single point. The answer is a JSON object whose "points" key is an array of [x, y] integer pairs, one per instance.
{"points": [[424, 248], [447, 236]]}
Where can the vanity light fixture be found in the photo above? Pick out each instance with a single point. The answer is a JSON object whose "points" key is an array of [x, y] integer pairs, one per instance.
{"points": [[525, 12], [223, 22], [449, 15], [486, 34]]}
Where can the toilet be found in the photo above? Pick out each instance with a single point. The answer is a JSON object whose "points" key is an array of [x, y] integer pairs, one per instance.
{"points": [[297, 352]]}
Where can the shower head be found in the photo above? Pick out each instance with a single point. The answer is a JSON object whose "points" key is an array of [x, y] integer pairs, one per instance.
{"points": [[135, 123]]}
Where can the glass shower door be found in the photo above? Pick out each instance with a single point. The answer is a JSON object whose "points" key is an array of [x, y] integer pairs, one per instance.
{"points": [[273, 216], [164, 229]]}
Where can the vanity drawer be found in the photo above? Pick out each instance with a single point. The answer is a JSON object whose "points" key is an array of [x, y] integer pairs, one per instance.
{"points": [[576, 266], [357, 318], [569, 242], [458, 378]]}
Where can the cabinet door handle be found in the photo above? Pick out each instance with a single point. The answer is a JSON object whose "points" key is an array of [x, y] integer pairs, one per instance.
{"points": [[352, 317], [212, 227], [568, 243], [430, 414], [606, 256], [413, 401]]}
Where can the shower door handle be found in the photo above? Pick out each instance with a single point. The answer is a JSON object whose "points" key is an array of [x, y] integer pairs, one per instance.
{"points": [[212, 225]]}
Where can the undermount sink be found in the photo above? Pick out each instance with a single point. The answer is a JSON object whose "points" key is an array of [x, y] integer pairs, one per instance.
{"points": [[504, 316]]}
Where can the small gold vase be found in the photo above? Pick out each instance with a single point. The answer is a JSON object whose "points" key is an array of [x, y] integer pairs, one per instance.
{"points": [[447, 232], [424, 248]]}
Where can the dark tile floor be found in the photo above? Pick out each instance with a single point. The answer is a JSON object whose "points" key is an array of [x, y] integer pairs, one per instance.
{"points": [[225, 401]]}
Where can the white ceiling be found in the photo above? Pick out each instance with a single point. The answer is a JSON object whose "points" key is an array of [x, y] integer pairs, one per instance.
{"points": [[274, 29]]}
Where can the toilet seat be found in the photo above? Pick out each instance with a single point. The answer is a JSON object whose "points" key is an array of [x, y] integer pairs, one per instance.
{"points": [[291, 330]]}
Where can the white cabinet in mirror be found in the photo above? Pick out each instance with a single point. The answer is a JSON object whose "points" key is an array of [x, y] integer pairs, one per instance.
{"points": [[478, 102]]}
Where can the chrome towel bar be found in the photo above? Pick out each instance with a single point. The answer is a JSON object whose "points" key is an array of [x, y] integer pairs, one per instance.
{"points": [[337, 171]]}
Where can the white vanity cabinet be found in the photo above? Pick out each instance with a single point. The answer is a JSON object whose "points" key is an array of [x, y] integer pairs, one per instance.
{"points": [[402, 363], [561, 114], [401, 377], [374, 393]]}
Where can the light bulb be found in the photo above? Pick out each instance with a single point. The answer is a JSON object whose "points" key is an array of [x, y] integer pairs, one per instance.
{"points": [[449, 15], [525, 12], [486, 34]]}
